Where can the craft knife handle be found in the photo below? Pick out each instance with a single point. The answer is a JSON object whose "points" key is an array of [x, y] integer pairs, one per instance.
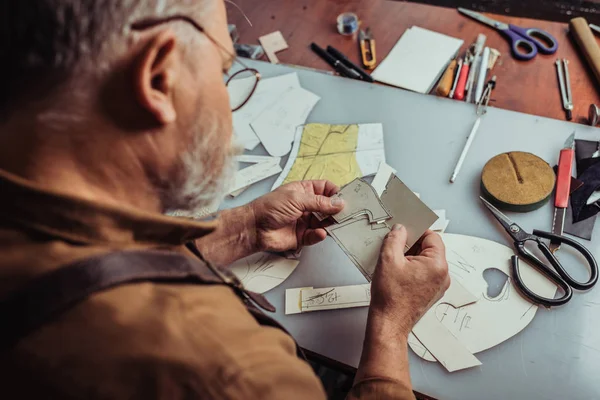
{"points": [[459, 94], [563, 178]]}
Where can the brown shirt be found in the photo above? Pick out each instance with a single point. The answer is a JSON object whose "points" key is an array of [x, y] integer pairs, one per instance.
{"points": [[144, 340]]}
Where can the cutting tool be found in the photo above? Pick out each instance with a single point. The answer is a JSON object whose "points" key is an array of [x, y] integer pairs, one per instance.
{"points": [[525, 43], [552, 269], [564, 82], [367, 48], [563, 189]]}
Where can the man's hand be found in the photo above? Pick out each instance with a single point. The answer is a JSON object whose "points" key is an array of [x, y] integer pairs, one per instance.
{"points": [[405, 287], [284, 220], [402, 290]]}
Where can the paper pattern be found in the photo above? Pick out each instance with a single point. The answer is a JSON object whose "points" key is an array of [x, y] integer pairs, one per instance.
{"points": [[340, 153], [360, 198], [439, 341], [262, 272], [271, 44], [489, 321], [267, 93], [276, 125], [335, 297], [264, 167]]}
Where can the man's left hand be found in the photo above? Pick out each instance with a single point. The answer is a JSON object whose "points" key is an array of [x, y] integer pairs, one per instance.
{"points": [[284, 219]]}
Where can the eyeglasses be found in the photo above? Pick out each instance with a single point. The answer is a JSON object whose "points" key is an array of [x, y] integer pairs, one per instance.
{"points": [[249, 76]]}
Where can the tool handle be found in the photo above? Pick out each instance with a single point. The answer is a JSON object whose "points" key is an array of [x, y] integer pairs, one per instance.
{"points": [[443, 88], [367, 52], [563, 178], [587, 43], [459, 94]]}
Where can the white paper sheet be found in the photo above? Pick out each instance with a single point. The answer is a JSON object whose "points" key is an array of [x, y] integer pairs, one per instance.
{"points": [[382, 177], [335, 297], [262, 272], [276, 125], [267, 92], [293, 299], [417, 60], [255, 173]]}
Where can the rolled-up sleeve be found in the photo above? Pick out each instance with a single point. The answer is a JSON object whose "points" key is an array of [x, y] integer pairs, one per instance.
{"points": [[380, 388]]}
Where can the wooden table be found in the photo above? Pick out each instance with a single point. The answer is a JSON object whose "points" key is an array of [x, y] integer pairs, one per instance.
{"points": [[529, 87]]}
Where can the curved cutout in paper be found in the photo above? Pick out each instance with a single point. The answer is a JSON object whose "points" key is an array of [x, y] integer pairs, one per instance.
{"points": [[262, 272]]}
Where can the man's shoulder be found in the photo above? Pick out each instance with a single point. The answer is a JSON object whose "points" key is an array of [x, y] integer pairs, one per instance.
{"points": [[199, 337]]}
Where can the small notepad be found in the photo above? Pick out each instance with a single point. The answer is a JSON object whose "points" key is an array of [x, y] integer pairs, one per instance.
{"points": [[417, 60]]}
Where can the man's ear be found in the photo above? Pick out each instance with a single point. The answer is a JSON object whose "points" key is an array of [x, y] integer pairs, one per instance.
{"points": [[155, 75]]}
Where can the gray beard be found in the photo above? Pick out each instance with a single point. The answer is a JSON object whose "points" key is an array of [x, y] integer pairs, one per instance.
{"points": [[199, 191]]}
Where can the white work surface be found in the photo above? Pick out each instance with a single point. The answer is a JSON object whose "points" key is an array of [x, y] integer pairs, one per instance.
{"points": [[558, 355]]}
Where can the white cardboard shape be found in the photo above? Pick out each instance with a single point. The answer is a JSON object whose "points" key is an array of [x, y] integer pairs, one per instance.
{"points": [[276, 125], [267, 92], [382, 177], [293, 300], [262, 272], [335, 297], [489, 321], [263, 168], [440, 342], [271, 44]]}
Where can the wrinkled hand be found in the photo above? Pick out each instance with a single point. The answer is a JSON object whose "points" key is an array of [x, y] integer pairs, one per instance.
{"points": [[405, 287], [284, 220]]}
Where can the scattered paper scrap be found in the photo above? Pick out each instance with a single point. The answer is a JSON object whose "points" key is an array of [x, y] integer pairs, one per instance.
{"points": [[262, 272], [266, 94], [271, 44], [340, 153], [263, 168], [382, 177], [276, 125]]}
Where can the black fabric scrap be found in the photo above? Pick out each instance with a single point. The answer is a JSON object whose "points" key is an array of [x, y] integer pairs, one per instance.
{"points": [[584, 149], [591, 183]]}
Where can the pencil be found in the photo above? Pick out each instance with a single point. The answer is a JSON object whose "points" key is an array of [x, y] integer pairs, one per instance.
{"points": [[465, 149]]}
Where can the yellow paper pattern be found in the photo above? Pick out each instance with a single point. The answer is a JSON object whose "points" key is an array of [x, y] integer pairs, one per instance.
{"points": [[327, 152]]}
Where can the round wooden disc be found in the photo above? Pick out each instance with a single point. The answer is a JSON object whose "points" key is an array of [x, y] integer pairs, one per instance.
{"points": [[517, 181]]}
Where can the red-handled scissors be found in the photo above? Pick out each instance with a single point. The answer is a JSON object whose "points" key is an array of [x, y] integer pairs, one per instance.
{"points": [[524, 43]]}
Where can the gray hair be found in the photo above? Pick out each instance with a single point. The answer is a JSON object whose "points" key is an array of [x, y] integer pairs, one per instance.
{"points": [[46, 42]]}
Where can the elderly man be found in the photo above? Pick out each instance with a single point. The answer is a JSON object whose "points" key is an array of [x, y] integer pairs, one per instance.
{"points": [[113, 113]]}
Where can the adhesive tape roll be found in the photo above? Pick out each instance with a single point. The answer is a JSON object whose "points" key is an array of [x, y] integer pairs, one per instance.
{"points": [[517, 181], [347, 23]]}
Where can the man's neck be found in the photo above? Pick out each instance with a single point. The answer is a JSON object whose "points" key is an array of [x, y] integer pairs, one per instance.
{"points": [[80, 164]]}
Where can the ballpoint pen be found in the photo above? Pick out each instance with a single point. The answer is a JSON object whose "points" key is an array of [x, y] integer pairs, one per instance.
{"points": [[340, 56]]}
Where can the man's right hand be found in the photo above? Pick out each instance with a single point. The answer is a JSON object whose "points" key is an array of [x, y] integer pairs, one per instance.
{"points": [[402, 290], [405, 287]]}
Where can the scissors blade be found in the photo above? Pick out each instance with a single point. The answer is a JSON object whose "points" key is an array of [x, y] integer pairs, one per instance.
{"points": [[483, 19], [511, 228]]}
